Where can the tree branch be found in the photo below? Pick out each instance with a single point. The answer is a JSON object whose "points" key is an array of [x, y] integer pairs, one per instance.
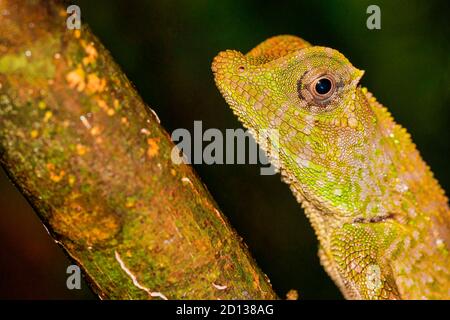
{"points": [[94, 162]]}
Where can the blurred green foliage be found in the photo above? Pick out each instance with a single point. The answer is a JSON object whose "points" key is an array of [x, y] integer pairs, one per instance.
{"points": [[166, 47]]}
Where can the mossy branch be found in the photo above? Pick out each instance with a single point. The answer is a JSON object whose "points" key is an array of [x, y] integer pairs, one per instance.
{"points": [[94, 162]]}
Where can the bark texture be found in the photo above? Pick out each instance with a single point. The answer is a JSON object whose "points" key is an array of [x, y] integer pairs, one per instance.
{"points": [[95, 163]]}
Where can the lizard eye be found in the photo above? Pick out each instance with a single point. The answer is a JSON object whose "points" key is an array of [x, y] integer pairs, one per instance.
{"points": [[323, 87], [317, 88]]}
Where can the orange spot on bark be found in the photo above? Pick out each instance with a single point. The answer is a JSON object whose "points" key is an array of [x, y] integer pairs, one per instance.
{"points": [[104, 106], [116, 104], [48, 116], [81, 150], [95, 131], [153, 147], [93, 224], [57, 177], [98, 140], [91, 54], [75, 79], [130, 203], [34, 134], [71, 180], [95, 84]]}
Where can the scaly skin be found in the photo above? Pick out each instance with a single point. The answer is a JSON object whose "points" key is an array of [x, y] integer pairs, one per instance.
{"points": [[381, 218]]}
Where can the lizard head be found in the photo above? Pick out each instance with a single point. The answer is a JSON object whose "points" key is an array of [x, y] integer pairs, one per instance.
{"points": [[310, 96]]}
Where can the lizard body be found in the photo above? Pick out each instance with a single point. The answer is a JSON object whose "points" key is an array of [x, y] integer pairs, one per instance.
{"points": [[381, 218]]}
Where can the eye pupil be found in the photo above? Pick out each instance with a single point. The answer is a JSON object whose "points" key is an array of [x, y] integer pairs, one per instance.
{"points": [[323, 86]]}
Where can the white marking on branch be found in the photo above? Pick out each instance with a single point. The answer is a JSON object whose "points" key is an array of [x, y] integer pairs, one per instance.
{"points": [[219, 287], [135, 281], [145, 131], [85, 122], [186, 180], [156, 116]]}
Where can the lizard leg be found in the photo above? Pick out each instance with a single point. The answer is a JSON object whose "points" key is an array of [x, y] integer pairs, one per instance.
{"points": [[328, 265], [357, 257]]}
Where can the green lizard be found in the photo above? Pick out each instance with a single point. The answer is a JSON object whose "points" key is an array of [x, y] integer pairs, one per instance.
{"points": [[381, 218]]}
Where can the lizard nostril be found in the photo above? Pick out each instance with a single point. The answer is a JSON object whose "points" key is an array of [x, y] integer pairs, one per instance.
{"points": [[241, 68]]}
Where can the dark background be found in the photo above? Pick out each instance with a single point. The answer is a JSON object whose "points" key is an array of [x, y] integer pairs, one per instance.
{"points": [[166, 47]]}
